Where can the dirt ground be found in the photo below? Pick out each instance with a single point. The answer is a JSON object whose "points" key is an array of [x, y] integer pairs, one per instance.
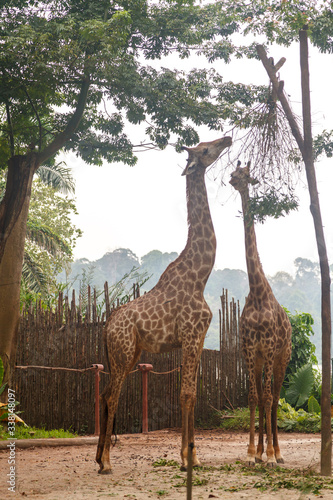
{"points": [[70, 472]]}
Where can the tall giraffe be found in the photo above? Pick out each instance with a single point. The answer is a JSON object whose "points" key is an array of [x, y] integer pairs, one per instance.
{"points": [[173, 314], [266, 338]]}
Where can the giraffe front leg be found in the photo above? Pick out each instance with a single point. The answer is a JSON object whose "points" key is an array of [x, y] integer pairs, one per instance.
{"points": [[195, 460], [187, 404], [268, 400], [187, 399], [260, 447], [251, 450], [278, 376], [185, 422], [253, 399]]}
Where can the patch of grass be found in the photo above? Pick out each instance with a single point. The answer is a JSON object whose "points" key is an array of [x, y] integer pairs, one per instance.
{"points": [[22, 432], [160, 493], [196, 481], [267, 479], [235, 420], [162, 462]]}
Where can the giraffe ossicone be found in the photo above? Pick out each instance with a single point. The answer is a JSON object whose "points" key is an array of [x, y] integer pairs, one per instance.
{"points": [[265, 332], [173, 314]]}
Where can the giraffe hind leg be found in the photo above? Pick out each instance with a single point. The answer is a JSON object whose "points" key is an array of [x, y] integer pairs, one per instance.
{"points": [[119, 373], [253, 400], [268, 404], [259, 375]]}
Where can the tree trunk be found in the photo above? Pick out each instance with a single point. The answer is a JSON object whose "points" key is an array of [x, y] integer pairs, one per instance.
{"points": [[306, 149], [14, 210], [15, 203], [326, 432]]}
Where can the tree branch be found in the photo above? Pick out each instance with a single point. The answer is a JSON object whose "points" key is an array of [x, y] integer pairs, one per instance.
{"points": [[72, 125], [11, 134], [38, 119], [278, 88]]}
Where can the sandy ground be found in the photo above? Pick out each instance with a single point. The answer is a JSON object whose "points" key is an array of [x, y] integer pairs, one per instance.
{"points": [[71, 472]]}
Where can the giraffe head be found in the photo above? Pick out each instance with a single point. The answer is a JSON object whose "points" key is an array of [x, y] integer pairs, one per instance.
{"points": [[203, 155], [240, 178]]}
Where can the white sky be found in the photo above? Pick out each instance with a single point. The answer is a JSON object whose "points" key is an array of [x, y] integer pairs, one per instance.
{"points": [[144, 207]]}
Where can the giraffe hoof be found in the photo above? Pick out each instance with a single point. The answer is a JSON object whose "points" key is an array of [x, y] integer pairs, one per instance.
{"points": [[183, 468], [250, 463], [280, 460], [105, 471], [271, 465], [259, 460]]}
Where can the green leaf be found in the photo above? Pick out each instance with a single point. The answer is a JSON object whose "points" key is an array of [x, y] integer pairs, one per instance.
{"points": [[313, 405], [300, 386]]}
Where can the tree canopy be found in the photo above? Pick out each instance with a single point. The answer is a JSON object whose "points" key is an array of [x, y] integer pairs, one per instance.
{"points": [[62, 62]]}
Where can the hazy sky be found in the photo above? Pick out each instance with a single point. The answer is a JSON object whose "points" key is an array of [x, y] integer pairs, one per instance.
{"points": [[144, 207]]}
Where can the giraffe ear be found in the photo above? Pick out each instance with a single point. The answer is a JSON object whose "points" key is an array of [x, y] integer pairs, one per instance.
{"points": [[190, 167], [254, 181], [251, 180]]}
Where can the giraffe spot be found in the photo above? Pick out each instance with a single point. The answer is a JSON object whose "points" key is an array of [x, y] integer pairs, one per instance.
{"points": [[201, 247], [159, 324], [154, 325], [207, 232]]}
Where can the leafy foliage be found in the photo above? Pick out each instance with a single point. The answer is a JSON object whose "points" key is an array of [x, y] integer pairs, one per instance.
{"points": [[289, 419], [323, 144], [270, 204], [313, 406], [300, 386], [303, 350], [57, 176], [51, 237], [50, 52]]}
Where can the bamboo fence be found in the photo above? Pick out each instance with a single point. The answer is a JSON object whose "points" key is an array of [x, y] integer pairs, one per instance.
{"points": [[70, 337]]}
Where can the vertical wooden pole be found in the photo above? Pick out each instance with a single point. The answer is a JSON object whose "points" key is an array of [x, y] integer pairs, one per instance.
{"points": [[98, 368], [145, 368], [189, 471]]}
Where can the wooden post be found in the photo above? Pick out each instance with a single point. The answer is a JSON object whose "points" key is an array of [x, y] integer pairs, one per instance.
{"points": [[189, 471], [145, 368], [98, 368]]}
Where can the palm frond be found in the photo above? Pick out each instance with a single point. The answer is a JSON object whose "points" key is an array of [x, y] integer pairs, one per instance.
{"points": [[33, 276], [46, 238], [58, 177]]}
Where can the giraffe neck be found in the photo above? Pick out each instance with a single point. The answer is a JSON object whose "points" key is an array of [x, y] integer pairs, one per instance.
{"points": [[201, 242], [256, 275]]}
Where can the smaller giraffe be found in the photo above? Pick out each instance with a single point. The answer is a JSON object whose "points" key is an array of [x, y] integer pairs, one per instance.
{"points": [[265, 331]]}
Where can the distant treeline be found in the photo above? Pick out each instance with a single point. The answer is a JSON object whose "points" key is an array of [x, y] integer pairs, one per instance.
{"points": [[298, 293]]}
